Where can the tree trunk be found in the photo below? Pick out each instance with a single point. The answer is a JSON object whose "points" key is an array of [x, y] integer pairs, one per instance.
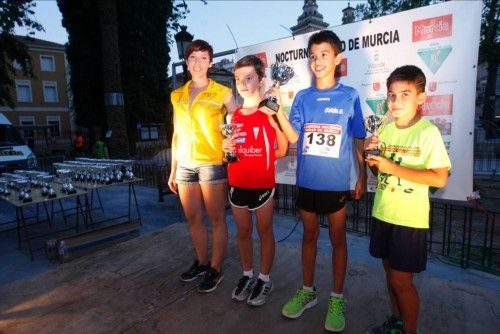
{"points": [[118, 146], [490, 96]]}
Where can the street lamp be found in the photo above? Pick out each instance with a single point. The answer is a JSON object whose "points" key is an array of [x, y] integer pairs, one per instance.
{"points": [[182, 39]]}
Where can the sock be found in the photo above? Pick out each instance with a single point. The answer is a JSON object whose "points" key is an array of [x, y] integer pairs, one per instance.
{"points": [[248, 273], [308, 288], [263, 277], [336, 295]]}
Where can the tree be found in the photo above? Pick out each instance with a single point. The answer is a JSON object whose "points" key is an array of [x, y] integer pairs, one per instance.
{"points": [[14, 13], [376, 8], [118, 144], [84, 57], [489, 54], [144, 60]]}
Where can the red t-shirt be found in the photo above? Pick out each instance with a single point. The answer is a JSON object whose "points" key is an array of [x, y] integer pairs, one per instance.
{"points": [[255, 140]]}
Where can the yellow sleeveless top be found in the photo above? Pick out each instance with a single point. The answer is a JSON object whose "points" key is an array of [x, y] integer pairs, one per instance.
{"points": [[199, 139]]}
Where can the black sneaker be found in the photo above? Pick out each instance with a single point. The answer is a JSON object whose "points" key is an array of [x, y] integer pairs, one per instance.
{"points": [[210, 281], [392, 325], [243, 289], [260, 293], [194, 272]]}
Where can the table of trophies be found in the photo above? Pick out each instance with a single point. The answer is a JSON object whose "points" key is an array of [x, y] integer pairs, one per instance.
{"points": [[73, 179]]}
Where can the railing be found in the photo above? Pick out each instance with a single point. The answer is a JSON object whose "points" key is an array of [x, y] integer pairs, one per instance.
{"points": [[459, 233]]}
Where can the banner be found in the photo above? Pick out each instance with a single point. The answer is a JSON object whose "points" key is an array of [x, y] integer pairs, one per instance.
{"points": [[441, 39]]}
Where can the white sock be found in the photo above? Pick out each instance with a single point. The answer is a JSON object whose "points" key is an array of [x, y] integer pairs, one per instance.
{"points": [[248, 273], [336, 295], [263, 277], [308, 288]]}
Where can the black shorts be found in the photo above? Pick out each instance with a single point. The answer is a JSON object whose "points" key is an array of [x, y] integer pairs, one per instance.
{"points": [[252, 199], [404, 247], [322, 202]]}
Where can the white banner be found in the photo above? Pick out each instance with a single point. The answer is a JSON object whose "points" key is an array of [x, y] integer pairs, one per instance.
{"points": [[442, 39]]}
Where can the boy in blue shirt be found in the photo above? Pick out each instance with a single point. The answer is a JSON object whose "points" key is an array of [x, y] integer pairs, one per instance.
{"points": [[327, 123]]}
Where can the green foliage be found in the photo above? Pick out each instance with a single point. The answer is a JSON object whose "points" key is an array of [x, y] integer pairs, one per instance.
{"points": [[14, 13], [376, 8], [489, 46]]}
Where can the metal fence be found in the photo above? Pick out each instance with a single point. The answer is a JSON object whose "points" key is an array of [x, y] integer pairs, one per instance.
{"points": [[460, 233]]}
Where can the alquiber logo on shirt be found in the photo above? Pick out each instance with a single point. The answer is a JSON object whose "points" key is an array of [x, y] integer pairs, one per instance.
{"points": [[250, 150]]}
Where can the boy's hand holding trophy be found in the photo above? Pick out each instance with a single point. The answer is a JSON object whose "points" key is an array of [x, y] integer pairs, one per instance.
{"points": [[374, 125]]}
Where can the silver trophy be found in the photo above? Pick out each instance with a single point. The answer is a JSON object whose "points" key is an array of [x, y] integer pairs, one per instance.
{"points": [[228, 132], [374, 125], [281, 73]]}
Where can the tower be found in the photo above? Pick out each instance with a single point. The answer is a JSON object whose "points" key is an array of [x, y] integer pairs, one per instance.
{"points": [[309, 20]]}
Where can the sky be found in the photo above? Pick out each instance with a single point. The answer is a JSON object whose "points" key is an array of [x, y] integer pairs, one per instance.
{"points": [[251, 22]]}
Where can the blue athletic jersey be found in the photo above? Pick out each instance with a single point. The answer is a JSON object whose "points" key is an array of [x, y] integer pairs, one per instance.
{"points": [[327, 121]]}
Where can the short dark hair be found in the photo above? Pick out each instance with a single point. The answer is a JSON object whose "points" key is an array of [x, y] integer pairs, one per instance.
{"points": [[255, 62], [199, 45], [325, 36], [408, 73]]}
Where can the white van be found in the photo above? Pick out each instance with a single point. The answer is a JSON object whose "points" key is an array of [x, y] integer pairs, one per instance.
{"points": [[14, 153]]}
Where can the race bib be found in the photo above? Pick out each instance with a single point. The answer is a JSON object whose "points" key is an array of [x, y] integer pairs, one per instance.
{"points": [[322, 140]]}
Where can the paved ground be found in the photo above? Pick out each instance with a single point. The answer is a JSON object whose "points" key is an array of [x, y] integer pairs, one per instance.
{"points": [[132, 287]]}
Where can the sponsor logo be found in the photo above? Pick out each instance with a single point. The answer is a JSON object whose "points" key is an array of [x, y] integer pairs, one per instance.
{"points": [[376, 86], [255, 131], [263, 195], [250, 150], [263, 57], [432, 28], [438, 105], [434, 57], [377, 105], [330, 110], [321, 99]]}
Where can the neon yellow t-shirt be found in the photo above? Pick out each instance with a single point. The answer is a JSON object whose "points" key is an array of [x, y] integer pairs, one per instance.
{"points": [[199, 138], [399, 201]]}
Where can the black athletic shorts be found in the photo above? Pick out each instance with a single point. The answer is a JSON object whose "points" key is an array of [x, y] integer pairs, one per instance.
{"points": [[249, 198], [404, 247], [322, 202]]}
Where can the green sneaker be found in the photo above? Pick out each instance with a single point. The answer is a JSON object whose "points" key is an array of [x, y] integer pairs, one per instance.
{"points": [[335, 320], [302, 300]]}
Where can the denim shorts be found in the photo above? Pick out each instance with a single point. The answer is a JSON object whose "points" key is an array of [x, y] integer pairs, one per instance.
{"points": [[208, 174]]}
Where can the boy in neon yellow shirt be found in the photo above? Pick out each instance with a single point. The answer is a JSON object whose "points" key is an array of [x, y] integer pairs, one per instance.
{"points": [[413, 158]]}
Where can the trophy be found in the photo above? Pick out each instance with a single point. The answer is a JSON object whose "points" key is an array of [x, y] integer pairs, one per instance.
{"points": [[281, 73], [228, 132], [374, 124]]}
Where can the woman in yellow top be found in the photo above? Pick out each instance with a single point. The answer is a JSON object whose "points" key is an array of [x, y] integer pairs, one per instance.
{"points": [[198, 174]]}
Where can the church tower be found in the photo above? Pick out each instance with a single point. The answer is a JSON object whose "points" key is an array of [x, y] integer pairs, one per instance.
{"points": [[309, 20]]}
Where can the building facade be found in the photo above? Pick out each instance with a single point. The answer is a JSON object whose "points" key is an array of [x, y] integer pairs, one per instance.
{"points": [[42, 108]]}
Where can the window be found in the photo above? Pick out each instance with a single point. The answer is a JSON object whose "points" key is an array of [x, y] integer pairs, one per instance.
{"points": [[27, 121], [50, 91], [149, 133], [47, 64], [23, 91], [55, 122]]}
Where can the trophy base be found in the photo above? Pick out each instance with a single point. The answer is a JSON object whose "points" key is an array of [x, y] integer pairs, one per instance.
{"points": [[269, 106], [231, 158], [373, 151]]}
